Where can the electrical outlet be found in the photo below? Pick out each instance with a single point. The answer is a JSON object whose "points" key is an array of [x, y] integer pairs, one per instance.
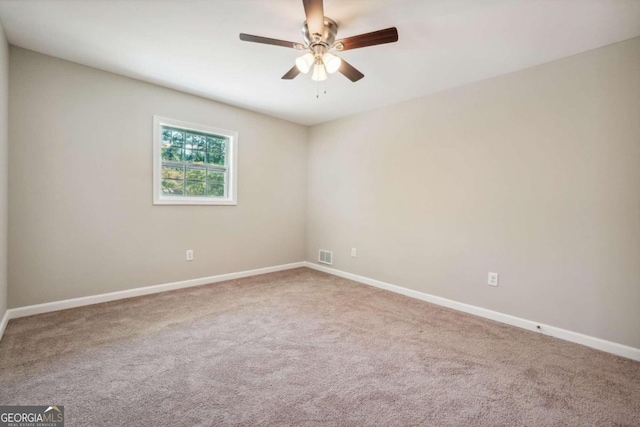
{"points": [[189, 254], [493, 279], [353, 252]]}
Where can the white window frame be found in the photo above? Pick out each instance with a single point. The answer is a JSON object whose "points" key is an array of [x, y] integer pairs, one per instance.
{"points": [[232, 165]]}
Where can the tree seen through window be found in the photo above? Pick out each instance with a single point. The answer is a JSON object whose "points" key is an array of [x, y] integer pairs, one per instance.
{"points": [[193, 163]]}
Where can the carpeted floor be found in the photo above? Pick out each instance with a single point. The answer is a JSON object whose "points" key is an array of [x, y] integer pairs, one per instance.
{"points": [[303, 348]]}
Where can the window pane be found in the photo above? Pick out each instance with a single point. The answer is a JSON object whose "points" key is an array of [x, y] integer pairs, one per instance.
{"points": [[193, 156], [215, 189], [215, 183], [172, 153], [171, 145], [196, 174], [177, 138], [188, 141], [199, 142], [166, 135], [171, 172], [216, 143], [216, 150], [215, 176], [198, 157], [172, 186], [195, 188]]}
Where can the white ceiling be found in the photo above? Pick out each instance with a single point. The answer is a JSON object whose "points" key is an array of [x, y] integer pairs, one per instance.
{"points": [[193, 46]]}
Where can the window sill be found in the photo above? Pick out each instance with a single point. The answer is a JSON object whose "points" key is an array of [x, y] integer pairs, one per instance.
{"points": [[194, 201]]}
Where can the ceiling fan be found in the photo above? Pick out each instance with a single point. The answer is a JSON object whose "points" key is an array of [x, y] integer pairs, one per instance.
{"points": [[319, 34]]}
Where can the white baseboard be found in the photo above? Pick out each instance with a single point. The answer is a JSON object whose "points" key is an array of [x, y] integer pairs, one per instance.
{"points": [[597, 343], [3, 323], [30, 310], [575, 337]]}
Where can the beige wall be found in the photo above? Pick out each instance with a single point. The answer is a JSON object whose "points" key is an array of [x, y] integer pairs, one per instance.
{"points": [[4, 165], [534, 175], [81, 215]]}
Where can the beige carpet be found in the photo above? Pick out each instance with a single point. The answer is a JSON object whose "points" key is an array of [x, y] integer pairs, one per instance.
{"points": [[303, 348]]}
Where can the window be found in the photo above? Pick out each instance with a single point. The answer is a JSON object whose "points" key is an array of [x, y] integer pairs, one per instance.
{"points": [[193, 164]]}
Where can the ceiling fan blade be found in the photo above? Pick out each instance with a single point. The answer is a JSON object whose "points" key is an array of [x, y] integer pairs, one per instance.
{"points": [[350, 72], [389, 35], [315, 16], [267, 40], [291, 74]]}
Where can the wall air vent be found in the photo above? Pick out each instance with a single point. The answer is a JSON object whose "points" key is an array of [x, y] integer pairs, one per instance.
{"points": [[325, 257]]}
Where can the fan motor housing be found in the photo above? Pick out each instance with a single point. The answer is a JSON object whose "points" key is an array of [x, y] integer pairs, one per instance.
{"points": [[328, 36]]}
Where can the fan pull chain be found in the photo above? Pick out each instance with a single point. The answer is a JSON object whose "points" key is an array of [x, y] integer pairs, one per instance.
{"points": [[324, 90]]}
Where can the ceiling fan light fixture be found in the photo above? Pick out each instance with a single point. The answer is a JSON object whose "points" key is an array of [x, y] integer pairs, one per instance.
{"points": [[331, 62], [319, 73], [305, 62], [319, 34]]}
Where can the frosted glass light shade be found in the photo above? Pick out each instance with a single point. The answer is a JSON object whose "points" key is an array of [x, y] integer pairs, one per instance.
{"points": [[331, 62], [305, 62], [319, 73]]}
